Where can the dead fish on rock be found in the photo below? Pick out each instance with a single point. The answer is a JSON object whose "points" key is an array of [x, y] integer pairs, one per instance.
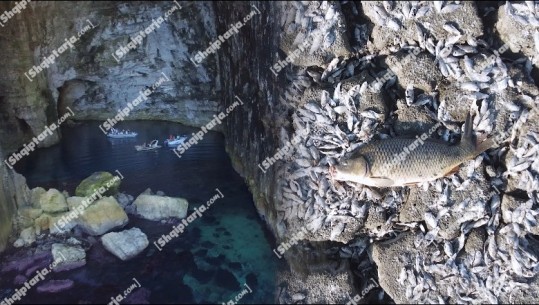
{"points": [[402, 161]]}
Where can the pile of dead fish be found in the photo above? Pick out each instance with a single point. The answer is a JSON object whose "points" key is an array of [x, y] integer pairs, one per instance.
{"points": [[340, 108]]}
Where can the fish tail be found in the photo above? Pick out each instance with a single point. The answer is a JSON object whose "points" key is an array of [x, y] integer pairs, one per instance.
{"points": [[467, 141]]}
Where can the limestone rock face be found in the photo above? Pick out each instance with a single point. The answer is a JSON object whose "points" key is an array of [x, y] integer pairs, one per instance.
{"points": [[82, 83], [126, 244], [14, 194], [155, 207]]}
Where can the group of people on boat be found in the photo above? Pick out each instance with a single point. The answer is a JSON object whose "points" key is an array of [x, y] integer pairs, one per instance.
{"points": [[171, 137]]}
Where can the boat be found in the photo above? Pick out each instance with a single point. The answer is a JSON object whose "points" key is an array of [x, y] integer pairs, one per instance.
{"points": [[174, 142], [153, 145], [121, 134]]}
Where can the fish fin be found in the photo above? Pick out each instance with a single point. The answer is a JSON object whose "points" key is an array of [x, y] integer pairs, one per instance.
{"points": [[382, 181], [466, 139], [486, 144], [452, 171], [412, 183]]}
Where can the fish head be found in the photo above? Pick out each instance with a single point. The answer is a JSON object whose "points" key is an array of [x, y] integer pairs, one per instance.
{"points": [[350, 169]]}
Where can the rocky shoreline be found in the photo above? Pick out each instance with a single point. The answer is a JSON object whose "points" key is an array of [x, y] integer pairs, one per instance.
{"points": [[55, 230]]}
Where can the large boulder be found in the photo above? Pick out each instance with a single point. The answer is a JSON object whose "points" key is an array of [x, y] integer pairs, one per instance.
{"points": [[103, 183], [155, 207], [126, 244], [67, 257], [102, 216], [53, 202]]}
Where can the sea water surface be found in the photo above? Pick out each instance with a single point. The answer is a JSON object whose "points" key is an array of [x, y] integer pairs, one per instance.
{"points": [[213, 261]]}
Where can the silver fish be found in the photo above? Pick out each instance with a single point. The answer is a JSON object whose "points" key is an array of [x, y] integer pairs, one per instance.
{"points": [[400, 161]]}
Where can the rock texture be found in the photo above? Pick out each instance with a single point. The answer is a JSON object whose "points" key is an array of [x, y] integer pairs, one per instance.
{"points": [[126, 244], [155, 207], [101, 183], [53, 202], [102, 216], [67, 257], [14, 193]]}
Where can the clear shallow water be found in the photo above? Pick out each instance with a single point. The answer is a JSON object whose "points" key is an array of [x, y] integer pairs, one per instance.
{"points": [[209, 263]]}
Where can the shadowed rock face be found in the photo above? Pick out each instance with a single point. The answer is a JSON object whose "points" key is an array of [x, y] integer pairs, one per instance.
{"points": [[89, 80], [14, 193]]}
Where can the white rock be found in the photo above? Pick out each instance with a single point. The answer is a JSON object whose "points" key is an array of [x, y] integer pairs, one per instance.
{"points": [[126, 244], [28, 236], [154, 207], [67, 257], [102, 216]]}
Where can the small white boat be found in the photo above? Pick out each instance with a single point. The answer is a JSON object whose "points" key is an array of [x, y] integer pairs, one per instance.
{"points": [[175, 141], [153, 145], [117, 134]]}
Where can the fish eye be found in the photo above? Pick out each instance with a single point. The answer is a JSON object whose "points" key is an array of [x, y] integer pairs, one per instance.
{"points": [[345, 163]]}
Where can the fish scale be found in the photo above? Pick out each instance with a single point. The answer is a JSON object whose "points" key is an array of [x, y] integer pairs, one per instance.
{"points": [[429, 160], [404, 161]]}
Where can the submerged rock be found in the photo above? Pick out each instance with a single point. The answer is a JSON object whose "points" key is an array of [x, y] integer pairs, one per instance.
{"points": [[67, 257], [126, 244], [103, 183], [154, 207], [19, 280], [140, 296], [55, 286], [102, 216], [20, 264], [227, 280]]}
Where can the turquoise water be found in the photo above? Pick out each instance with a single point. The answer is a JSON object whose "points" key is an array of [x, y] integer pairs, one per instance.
{"points": [[213, 261]]}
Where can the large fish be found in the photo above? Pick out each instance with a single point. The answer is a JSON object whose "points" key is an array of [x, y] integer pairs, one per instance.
{"points": [[399, 161]]}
